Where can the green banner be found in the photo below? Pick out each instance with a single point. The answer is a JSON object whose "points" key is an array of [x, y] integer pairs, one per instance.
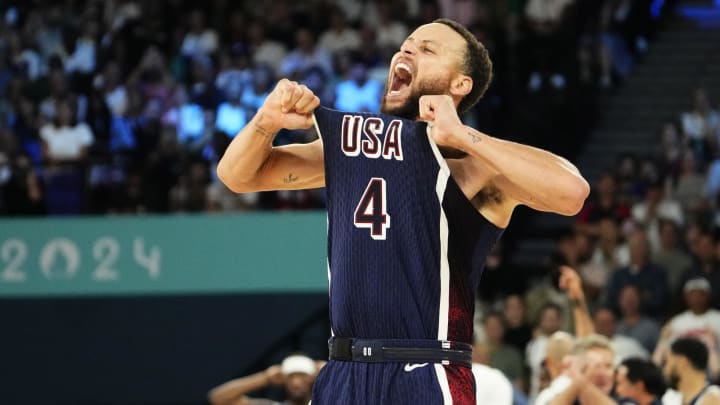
{"points": [[163, 254]]}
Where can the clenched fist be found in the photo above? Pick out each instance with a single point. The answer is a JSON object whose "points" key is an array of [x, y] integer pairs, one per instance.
{"points": [[289, 105], [442, 117]]}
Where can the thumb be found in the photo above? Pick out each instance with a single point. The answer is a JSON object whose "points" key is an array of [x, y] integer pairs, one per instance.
{"points": [[427, 109]]}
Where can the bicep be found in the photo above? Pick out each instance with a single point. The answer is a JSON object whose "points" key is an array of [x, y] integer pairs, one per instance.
{"points": [[293, 167]]}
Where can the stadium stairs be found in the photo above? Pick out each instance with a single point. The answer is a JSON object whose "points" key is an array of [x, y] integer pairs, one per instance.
{"points": [[685, 54]]}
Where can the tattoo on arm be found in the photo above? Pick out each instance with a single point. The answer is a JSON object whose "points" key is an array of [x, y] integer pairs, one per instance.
{"points": [[474, 138], [264, 132], [290, 179]]}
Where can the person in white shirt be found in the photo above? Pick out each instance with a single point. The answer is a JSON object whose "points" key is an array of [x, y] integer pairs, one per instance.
{"points": [[699, 321], [339, 37], [199, 41], [558, 350]]}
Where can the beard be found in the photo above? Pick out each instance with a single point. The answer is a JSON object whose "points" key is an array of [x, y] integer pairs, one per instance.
{"points": [[673, 380], [410, 109]]}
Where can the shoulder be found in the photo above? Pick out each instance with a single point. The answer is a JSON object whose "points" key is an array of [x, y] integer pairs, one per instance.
{"points": [[711, 396]]}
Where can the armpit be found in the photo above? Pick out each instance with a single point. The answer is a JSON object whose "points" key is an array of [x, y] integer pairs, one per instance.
{"points": [[490, 195]]}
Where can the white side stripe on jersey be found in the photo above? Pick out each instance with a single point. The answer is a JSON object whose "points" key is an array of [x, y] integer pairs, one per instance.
{"points": [[442, 179]]}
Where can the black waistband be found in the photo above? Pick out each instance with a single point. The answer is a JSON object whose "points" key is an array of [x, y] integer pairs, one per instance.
{"points": [[400, 351]]}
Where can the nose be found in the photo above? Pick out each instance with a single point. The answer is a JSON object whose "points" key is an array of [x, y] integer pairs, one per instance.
{"points": [[408, 47]]}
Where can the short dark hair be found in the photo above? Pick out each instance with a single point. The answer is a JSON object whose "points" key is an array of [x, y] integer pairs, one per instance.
{"points": [[551, 305], [692, 349], [646, 371], [476, 64]]}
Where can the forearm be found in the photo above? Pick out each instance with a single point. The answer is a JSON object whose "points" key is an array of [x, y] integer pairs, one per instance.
{"points": [[581, 315], [568, 396], [247, 154], [234, 389], [534, 177], [592, 395]]}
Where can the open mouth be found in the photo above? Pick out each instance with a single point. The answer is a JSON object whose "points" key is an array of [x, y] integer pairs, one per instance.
{"points": [[401, 79]]}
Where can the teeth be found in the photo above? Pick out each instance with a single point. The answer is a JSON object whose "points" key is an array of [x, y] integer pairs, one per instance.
{"points": [[403, 66]]}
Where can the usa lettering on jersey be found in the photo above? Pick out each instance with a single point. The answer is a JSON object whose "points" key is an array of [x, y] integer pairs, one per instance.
{"points": [[362, 135]]}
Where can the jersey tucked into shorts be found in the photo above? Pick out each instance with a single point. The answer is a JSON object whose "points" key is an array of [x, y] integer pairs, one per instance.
{"points": [[405, 253]]}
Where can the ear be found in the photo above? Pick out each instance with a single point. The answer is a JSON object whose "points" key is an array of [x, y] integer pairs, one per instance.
{"points": [[461, 86]]}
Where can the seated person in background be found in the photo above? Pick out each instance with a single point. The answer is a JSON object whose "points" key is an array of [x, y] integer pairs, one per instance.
{"points": [[625, 347], [491, 385], [296, 373], [633, 323], [698, 321], [639, 382]]}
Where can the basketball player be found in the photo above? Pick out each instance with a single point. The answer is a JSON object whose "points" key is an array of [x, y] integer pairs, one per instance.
{"points": [[685, 370], [408, 230]]}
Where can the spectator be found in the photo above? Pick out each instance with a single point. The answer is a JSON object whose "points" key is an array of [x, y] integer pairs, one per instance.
{"points": [[491, 386], [548, 41], [649, 277], [633, 323], [390, 32], [701, 125], [65, 146], [200, 40], [624, 346], [610, 253], [235, 74], [296, 374], [699, 319], [605, 202], [84, 57], [549, 323], [557, 352], [591, 373], [254, 95], [688, 188], [705, 265], [305, 55], [640, 381], [20, 189], [190, 194], [517, 332], [501, 356], [265, 51], [670, 256], [653, 208], [231, 116], [339, 38], [359, 92]]}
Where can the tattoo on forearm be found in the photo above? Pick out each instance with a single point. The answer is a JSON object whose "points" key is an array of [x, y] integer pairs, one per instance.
{"points": [[290, 179], [263, 131], [474, 138]]}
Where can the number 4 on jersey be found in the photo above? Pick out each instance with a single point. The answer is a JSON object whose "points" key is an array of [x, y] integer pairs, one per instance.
{"points": [[371, 211]]}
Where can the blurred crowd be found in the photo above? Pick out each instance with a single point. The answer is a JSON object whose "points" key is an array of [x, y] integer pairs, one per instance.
{"points": [[125, 106], [646, 250]]}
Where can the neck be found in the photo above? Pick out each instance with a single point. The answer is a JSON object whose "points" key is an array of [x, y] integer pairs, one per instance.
{"points": [[632, 319], [691, 384], [645, 399]]}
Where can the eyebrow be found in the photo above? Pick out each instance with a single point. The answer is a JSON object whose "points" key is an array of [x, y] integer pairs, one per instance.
{"points": [[424, 41]]}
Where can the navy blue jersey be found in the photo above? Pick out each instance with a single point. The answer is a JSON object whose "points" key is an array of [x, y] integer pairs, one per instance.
{"points": [[405, 246], [405, 253]]}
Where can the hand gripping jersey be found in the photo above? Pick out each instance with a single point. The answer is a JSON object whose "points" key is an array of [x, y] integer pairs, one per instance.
{"points": [[405, 253]]}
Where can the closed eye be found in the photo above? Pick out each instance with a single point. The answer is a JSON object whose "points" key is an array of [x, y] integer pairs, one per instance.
{"points": [[427, 50]]}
